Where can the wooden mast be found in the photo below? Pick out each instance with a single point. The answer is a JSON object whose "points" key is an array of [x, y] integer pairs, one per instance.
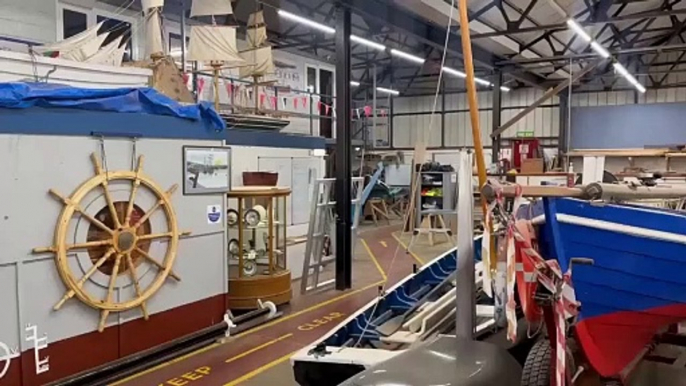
{"points": [[474, 117]]}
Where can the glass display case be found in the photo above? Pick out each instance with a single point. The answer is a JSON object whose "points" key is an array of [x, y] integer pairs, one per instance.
{"points": [[256, 251]]}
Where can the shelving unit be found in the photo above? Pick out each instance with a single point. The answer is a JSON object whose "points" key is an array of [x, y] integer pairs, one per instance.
{"points": [[436, 195]]}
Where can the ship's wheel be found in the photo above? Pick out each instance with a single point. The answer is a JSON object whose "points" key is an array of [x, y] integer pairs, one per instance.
{"points": [[118, 240]]}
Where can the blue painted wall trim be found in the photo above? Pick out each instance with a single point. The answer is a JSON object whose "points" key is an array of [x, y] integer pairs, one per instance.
{"points": [[628, 126], [39, 121]]}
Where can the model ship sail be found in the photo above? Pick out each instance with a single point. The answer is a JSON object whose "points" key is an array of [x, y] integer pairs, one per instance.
{"points": [[259, 55], [214, 44], [78, 47], [110, 55], [152, 11]]}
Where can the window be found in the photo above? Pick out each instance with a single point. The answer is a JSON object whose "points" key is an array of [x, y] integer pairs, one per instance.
{"points": [[311, 79], [117, 28], [73, 22]]}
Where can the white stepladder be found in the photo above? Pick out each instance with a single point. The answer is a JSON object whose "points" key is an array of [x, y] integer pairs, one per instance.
{"points": [[322, 226]]}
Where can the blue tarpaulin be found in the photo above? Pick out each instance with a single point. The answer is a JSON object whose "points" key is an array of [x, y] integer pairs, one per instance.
{"points": [[124, 100]]}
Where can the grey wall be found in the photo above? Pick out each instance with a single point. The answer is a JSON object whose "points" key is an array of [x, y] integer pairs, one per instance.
{"points": [[29, 283], [628, 126]]}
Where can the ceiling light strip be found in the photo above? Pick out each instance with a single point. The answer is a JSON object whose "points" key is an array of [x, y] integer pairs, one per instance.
{"points": [[407, 56], [368, 43], [600, 50]]}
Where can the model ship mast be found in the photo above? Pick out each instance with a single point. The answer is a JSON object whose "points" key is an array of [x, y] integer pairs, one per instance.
{"points": [[214, 44], [259, 55]]}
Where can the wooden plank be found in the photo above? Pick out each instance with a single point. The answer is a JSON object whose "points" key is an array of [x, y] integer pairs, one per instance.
{"points": [[547, 95]]}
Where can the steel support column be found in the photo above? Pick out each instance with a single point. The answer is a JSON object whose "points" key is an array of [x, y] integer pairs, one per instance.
{"points": [[442, 112], [497, 99], [343, 149], [563, 138]]}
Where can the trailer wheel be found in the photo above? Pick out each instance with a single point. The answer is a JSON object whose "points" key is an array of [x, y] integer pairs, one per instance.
{"points": [[536, 370]]}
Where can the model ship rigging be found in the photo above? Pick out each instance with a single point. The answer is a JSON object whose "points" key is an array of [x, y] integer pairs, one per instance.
{"points": [[215, 45]]}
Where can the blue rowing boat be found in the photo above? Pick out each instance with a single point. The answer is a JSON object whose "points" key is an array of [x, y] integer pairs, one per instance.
{"points": [[637, 284]]}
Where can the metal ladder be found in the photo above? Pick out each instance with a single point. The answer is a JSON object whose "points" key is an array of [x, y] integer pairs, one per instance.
{"points": [[322, 224]]}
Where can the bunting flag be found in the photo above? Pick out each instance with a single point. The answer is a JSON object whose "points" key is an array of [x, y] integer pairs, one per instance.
{"points": [[229, 88], [304, 99], [185, 76], [319, 106], [201, 85], [295, 103], [368, 111], [326, 109], [272, 99], [262, 98]]}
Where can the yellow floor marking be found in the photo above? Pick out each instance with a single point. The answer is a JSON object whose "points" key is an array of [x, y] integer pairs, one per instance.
{"points": [[165, 364], [419, 259], [256, 329], [376, 262], [258, 348], [384, 244], [260, 369]]}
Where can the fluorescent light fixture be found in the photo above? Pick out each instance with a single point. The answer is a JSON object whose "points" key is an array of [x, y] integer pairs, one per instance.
{"points": [[368, 43], [388, 91], [623, 71], [454, 72], [354, 84], [307, 22], [600, 50], [483, 82], [579, 31], [504, 89], [407, 56]]}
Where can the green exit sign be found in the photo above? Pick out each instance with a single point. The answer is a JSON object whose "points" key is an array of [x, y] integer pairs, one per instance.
{"points": [[525, 134]]}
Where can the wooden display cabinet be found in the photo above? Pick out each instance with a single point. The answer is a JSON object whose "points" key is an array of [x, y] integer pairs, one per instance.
{"points": [[256, 251]]}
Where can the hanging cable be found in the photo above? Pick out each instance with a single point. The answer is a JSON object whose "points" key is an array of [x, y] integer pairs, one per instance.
{"points": [[416, 186]]}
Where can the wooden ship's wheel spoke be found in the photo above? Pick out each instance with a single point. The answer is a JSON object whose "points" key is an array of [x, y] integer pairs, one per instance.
{"points": [[119, 238]]}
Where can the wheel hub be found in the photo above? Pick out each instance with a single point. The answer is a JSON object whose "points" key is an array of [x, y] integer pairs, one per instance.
{"points": [[125, 241]]}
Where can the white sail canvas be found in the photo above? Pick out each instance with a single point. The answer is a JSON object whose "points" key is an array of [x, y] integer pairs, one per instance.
{"points": [[211, 7], [71, 43], [153, 33], [259, 62], [257, 36], [110, 55], [147, 4], [85, 50], [214, 44], [256, 18]]}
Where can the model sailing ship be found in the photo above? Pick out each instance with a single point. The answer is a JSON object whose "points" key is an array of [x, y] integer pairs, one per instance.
{"points": [[215, 45]]}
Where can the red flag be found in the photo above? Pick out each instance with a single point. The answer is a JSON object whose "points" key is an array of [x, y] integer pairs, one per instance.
{"points": [[368, 110], [201, 85], [273, 102], [304, 99], [185, 77], [262, 97], [295, 103], [229, 88], [326, 109], [319, 106]]}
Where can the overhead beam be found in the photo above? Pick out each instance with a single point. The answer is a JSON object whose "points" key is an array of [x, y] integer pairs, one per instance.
{"points": [[547, 95], [563, 26], [403, 22]]}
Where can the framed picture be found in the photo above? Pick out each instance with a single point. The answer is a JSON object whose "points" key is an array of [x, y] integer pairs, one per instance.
{"points": [[206, 170]]}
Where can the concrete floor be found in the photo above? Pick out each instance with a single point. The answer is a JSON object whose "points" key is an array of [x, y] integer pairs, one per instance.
{"points": [[281, 374], [261, 356]]}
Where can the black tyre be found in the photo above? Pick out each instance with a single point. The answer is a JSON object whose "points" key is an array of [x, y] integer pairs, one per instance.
{"points": [[536, 370]]}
